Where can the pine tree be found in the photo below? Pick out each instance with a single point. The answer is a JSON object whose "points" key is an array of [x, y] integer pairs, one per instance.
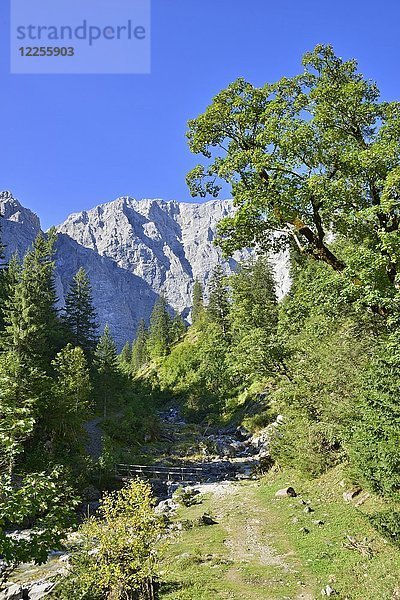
{"points": [[3, 282], [218, 304], [254, 302], [126, 353], [178, 327], [255, 351], [32, 327], [160, 329], [197, 302], [106, 362], [9, 277], [20, 390], [80, 315], [71, 392], [140, 353]]}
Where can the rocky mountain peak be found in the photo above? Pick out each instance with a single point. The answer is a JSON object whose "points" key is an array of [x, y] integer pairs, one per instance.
{"points": [[133, 250]]}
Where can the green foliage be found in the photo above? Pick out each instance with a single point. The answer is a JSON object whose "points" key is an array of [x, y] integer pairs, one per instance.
{"points": [[178, 328], [80, 315], [70, 399], [255, 351], [305, 156], [374, 440], [106, 363], [118, 555], [43, 501], [32, 327], [160, 338], [218, 300], [388, 524], [21, 395], [140, 353], [197, 302]]}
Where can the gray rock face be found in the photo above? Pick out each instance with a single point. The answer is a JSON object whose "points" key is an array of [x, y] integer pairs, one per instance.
{"points": [[166, 244], [133, 250]]}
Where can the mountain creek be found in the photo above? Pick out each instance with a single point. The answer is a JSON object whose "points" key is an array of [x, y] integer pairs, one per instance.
{"points": [[231, 536]]}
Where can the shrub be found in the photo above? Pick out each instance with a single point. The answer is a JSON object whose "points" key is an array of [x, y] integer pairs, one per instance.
{"points": [[117, 556]]}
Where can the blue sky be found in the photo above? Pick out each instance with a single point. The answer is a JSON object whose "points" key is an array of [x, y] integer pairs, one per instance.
{"points": [[69, 142]]}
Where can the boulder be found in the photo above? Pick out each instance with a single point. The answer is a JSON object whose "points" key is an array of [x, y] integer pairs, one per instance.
{"points": [[12, 592], [40, 589], [288, 492], [328, 591], [207, 520], [350, 494], [242, 433]]}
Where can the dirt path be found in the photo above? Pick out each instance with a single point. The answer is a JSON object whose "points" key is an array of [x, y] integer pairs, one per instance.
{"points": [[237, 558]]}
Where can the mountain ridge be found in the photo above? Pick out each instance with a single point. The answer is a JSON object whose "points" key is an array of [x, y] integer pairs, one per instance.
{"points": [[133, 250]]}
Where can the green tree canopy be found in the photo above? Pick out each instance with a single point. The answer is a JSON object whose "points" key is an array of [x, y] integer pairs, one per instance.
{"points": [[80, 314], [32, 325], [106, 362], [140, 353], [309, 157], [160, 338], [218, 299], [197, 302]]}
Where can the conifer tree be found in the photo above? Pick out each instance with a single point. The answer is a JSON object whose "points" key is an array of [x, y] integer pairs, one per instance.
{"points": [[218, 304], [3, 283], [178, 327], [197, 302], [71, 392], [140, 353], [126, 354], [160, 329], [106, 362], [80, 315], [20, 391], [32, 327]]}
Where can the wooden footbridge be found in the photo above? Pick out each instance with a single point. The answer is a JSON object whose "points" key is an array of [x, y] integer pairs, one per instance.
{"points": [[126, 472]]}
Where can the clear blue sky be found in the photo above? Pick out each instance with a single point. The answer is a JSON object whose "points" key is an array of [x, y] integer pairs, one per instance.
{"points": [[69, 142]]}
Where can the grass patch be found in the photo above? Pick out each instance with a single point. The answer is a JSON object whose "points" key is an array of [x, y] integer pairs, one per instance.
{"points": [[325, 551]]}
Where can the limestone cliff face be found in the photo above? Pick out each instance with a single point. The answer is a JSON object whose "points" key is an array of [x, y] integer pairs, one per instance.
{"points": [[133, 250], [167, 244]]}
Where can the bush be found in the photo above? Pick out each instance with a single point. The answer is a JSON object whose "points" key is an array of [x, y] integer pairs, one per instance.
{"points": [[388, 525], [117, 556]]}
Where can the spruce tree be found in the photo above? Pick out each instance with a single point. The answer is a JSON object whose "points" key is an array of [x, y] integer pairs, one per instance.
{"points": [[160, 329], [71, 393], [140, 353], [126, 353], [197, 302], [20, 391], [106, 362], [218, 304], [3, 282], [80, 315], [32, 327], [178, 327]]}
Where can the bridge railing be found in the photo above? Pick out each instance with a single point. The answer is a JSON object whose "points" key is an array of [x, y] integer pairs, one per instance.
{"points": [[125, 471]]}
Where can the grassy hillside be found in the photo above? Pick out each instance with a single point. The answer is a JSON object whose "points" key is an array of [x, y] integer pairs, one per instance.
{"points": [[259, 550]]}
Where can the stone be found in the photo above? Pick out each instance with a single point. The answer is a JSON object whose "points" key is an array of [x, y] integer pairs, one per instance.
{"points": [[40, 589], [206, 519], [288, 492], [242, 433], [318, 522], [350, 494], [304, 530], [308, 509], [12, 592], [328, 591]]}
